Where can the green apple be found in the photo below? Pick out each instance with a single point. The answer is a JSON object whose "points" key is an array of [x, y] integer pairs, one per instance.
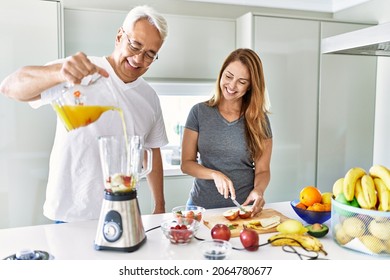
{"points": [[341, 199]]}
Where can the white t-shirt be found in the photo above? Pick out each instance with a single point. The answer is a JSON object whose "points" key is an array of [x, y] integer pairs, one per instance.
{"points": [[75, 187]]}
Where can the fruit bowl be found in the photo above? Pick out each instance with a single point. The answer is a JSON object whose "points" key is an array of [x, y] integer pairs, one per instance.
{"points": [[180, 230], [187, 211], [216, 249], [310, 217]]}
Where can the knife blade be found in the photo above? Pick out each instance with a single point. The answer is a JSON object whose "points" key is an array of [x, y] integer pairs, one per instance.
{"points": [[238, 205]]}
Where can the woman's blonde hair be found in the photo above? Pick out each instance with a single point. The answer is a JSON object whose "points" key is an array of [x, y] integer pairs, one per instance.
{"points": [[253, 106]]}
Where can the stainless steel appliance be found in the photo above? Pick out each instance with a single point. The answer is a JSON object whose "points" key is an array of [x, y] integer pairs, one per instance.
{"points": [[120, 225]]}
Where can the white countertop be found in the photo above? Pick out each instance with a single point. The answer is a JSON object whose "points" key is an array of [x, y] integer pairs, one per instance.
{"points": [[75, 241]]}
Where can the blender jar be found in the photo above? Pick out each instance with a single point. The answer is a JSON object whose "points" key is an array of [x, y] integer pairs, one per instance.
{"points": [[122, 161]]}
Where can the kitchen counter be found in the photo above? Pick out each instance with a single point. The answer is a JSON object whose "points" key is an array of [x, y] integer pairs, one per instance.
{"points": [[75, 241]]}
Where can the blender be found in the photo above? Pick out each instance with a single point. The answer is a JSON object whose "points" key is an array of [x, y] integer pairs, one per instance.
{"points": [[120, 225]]}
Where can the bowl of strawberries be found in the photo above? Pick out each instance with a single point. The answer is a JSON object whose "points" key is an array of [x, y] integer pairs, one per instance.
{"points": [[180, 230]]}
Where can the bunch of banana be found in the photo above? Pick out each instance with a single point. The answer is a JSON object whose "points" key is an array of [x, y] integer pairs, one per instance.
{"points": [[368, 188], [308, 242]]}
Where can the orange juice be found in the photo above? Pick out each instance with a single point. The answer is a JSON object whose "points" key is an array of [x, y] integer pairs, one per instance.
{"points": [[75, 116]]}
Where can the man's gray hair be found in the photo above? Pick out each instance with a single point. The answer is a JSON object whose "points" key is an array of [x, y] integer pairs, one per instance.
{"points": [[155, 18]]}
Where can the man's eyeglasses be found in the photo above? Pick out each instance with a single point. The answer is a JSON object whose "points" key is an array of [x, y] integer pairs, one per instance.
{"points": [[137, 48]]}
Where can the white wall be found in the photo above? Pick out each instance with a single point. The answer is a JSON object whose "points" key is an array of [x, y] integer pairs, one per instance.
{"points": [[382, 114]]}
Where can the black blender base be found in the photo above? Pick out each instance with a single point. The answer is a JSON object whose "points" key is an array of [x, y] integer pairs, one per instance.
{"points": [[121, 249]]}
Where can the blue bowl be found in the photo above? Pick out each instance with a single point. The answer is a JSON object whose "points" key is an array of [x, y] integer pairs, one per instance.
{"points": [[310, 217]]}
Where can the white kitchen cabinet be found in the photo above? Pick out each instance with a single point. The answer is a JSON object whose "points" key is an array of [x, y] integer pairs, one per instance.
{"points": [[194, 49], [346, 110], [382, 114], [30, 33], [289, 50]]}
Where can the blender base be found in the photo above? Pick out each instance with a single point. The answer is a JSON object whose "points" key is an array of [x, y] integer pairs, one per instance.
{"points": [[121, 249]]}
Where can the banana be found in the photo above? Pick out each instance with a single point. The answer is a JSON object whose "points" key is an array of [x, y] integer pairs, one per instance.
{"points": [[372, 243], [338, 187], [369, 191], [360, 195], [380, 230], [383, 195], [354, 226], [308, 242], [380, 171], [353, 174], [341, 236]]}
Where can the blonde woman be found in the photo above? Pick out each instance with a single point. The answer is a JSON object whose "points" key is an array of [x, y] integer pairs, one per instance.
{"points": [[227, 141]]}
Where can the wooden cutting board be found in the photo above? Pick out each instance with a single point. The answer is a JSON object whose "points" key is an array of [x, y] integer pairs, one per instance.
{"points": [[213, 219]]}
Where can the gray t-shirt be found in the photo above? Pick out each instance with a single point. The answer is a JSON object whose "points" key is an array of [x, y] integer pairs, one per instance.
{"points": [[221, 146]]}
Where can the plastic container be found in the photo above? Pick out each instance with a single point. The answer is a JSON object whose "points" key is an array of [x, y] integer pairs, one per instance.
{"points": [[366, 231]]}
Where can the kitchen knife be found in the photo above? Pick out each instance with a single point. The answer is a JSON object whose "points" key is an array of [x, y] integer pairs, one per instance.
{"points": [[238, 205]]}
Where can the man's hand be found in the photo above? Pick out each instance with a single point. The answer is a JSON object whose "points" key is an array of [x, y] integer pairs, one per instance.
{"points": [[78, 66]]}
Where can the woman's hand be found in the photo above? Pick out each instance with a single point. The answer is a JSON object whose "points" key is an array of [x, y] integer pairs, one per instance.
{"points": [[257, 198], [223, 184]]}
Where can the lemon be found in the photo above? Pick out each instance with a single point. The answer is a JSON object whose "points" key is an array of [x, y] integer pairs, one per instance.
{"points": [[327, 197], [291, 226]]}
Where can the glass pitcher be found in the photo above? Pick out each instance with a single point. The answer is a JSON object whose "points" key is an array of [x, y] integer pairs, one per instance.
{"points": [[83, 104], [123, 162]]}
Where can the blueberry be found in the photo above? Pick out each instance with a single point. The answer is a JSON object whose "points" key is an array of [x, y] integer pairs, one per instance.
{"points": [[214, 255]]}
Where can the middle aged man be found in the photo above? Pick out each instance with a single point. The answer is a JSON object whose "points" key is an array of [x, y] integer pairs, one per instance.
{"points": [[75, 185]]}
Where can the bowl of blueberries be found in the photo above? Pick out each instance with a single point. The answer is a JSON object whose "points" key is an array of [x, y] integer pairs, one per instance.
{"points": [[216, 249]]}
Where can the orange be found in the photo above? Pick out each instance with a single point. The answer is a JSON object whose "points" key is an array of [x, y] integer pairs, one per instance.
{"points": [[310, 195], [301, 205], [327, 206], [318, 207]]}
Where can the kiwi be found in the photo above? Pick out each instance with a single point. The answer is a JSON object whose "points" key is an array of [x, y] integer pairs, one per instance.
{"points": [[317, 230]]}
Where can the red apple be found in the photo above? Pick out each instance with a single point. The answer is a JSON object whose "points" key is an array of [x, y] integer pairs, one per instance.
{"points": [[220, 231], [231, 214], [245, 214], [249, 239]]}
